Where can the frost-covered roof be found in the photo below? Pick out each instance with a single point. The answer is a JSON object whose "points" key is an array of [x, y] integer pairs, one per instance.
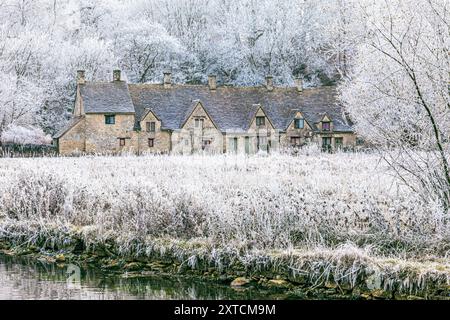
{"points": [[108, 97], [232, 108], [67, 127]]}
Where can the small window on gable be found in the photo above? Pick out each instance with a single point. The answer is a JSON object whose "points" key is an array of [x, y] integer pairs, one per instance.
{"points": [[260, 121], [299, 123], [198, 123], [110, 119], [122, 142], [326, 126], [150, 126], [151, 143]]}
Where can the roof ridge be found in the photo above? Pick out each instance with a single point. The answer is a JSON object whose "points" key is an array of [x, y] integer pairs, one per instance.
{"points": [[205, 86]]}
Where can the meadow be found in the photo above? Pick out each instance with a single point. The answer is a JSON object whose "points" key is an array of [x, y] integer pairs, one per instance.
{"points": [[315, 218]]}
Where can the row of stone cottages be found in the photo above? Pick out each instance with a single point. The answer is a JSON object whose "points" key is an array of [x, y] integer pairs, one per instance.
{"points": [[112, 117]]}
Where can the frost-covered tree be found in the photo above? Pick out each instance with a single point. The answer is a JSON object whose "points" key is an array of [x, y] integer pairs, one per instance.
{"points": [[43, 43], [398, 92]]}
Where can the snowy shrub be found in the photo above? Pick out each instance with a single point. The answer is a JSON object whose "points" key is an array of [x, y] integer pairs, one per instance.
{"points": [[25, 135]]}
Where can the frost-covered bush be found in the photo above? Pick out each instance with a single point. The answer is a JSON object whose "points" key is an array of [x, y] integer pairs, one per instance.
{"points": [[25, 136], [245, 203]]}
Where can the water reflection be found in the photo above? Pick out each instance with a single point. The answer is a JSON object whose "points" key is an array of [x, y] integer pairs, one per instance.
{"points": [[22, 278]]}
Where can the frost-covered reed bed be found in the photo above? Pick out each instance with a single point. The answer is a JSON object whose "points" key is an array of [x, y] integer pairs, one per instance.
{"points": [[214, 207]]}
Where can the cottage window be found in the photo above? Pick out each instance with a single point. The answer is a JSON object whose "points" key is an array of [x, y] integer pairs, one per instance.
{"points": [[122, 142], [326, 143], [151, 143], [262, 143], [110, 119], [295, 141], [299, 123], [326, 126], [206, 144], [339, 142], [260, 121], [150, 126], [199, 123], [234, 144]]}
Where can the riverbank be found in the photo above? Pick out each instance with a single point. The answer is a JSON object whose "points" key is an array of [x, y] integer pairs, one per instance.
{"points": [[345, 273], [337, 224]]}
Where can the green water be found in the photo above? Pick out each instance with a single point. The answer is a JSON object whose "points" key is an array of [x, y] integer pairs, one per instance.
{"points": [[22, 278]]}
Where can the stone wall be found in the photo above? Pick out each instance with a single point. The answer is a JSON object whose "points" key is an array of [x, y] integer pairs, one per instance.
{"points": [[73, 141], [349, 139], [266, 131], [161, 138], [198, 136], [305, 135], [102, 138]]}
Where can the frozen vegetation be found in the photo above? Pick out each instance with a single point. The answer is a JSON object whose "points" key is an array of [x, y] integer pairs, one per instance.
{"points": [[339, 218]]}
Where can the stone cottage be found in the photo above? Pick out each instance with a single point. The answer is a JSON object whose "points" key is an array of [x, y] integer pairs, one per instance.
{"points": [[113, 117]]}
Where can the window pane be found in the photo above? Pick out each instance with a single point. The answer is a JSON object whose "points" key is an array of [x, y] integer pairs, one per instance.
{"points": [[151, 143], [152, 126], [295, 141], [260, 121], [110, 119], [299, 123]]}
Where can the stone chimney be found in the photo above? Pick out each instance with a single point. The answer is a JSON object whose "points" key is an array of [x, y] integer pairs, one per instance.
{"points": [[212, 82], [116, 75], [269, 83], [81, 79], [299, 84], [167, 79]]}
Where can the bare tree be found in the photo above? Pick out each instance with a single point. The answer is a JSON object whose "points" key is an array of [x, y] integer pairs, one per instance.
{"points": [[398, 93]]}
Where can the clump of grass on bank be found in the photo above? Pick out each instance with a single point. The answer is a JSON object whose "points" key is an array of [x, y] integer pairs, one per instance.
{"points": [[340, 218]]}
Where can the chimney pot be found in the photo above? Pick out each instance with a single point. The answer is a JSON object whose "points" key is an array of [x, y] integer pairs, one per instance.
{"points": [[81, 79], [167, 79], [116, 75], [212, 82], [269, 83], [299, 84]]}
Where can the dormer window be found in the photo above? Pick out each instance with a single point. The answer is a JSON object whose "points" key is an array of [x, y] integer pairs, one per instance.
{"points": [[299, 123], [150, 126], [199, 123], [110, 119], [260, 121], [326, 126]]}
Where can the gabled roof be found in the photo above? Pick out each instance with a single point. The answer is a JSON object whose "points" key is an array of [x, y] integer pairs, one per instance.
{"points": [[257, 108], [106, 97], [232, 108], [292, 117], [146, 112], [72, 123], [191, 110]]}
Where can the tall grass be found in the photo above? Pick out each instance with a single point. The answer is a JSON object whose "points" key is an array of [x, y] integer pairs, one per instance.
{"points": [[245, 205]]}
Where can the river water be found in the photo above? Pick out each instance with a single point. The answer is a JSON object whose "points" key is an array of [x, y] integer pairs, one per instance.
{"points": [[22, 278]]}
